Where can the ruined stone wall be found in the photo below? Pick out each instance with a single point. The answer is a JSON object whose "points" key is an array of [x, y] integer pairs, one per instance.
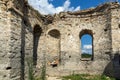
{"points": [[23, 37], [115, 33], [115, 25], [103, 22], [18, 32], [4, 42], [37, 40], [17, 22], [70, 52], [26, 35]]}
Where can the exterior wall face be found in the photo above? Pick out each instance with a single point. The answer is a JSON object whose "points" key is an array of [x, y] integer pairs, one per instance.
{"points": [[16, 36], [15, 44], [115, 16], [5, 43], [115, 33], [70, 51]]}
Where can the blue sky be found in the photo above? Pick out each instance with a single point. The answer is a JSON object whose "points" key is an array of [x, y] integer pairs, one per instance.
{"points": [[84, 4], [86, 45], [56, 6]]}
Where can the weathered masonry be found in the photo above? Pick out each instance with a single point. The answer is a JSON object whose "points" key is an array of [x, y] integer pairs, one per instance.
{"points": [[54, 40]]}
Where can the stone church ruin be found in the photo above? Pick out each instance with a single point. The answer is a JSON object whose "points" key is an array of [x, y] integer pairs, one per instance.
{"points": [[56, 40]]}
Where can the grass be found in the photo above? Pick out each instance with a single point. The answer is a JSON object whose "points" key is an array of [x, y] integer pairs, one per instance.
{"points": [[86, 77]]}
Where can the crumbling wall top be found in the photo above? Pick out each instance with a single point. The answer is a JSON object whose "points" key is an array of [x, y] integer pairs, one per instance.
{"points": [[100, 8]]}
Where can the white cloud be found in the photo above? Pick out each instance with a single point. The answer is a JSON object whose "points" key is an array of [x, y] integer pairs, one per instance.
{"points": [[76, 9], [66, 5], [84, 51], [87, 46], [89, 51], [44, 7]]}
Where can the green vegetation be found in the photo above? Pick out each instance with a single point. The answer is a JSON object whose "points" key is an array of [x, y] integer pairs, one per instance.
{"points": [[43, 73], [70, 77], [86, 55], [86, 77], [31, 75], [30, 69]]}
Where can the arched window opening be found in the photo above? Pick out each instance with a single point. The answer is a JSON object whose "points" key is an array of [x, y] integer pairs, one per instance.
{"points": [[36, 35], [54, 47], [86, 47]]}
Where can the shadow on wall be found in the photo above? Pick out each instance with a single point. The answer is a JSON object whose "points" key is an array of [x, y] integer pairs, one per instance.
{"points": [[26, 26], [113, 68], [20, 6]]}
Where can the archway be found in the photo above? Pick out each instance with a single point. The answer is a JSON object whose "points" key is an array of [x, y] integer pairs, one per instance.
{"points": [[54, 47], [86, 44], [36, 35]]}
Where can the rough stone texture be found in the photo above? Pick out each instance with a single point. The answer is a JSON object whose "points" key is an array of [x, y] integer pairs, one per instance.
{"points": [[4, 42], [26, 35]]}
